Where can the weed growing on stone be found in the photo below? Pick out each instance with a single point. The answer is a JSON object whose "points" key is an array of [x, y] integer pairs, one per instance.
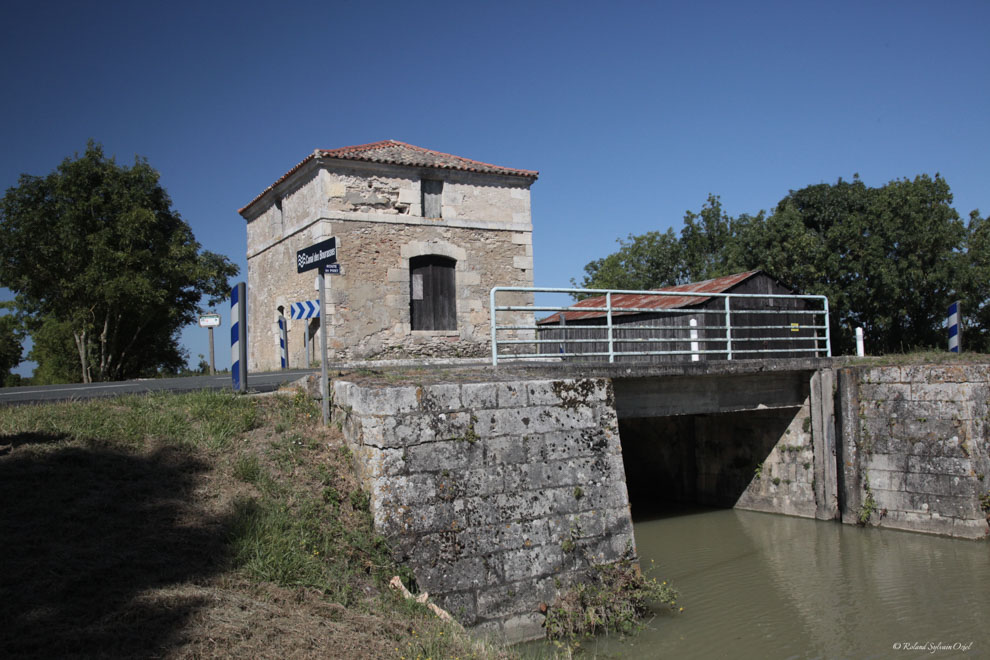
{"points": [[611, 598], [869, 506], [985, 502], [470, 435]]}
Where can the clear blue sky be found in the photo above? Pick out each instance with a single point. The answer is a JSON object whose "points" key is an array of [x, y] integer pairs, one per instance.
{"points": [[632, 111]]}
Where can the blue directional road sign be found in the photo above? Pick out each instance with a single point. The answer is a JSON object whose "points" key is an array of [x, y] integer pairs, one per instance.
{"points": [[306, 309]]}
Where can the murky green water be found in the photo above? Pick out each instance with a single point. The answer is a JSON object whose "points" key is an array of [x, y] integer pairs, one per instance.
{"points": [[764, 586]]}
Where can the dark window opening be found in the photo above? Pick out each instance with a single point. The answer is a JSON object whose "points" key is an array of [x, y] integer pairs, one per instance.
{"points": [[432, 194], [432, 294]]}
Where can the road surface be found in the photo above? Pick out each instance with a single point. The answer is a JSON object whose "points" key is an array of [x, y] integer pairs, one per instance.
{"points": [[259, 382]]}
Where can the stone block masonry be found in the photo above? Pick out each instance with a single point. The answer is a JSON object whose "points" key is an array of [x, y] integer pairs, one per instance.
{"points": [[497, 494], [916, 448], [475, 235]]}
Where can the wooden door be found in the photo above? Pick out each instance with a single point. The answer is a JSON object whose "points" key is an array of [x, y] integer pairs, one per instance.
{"points": [[432, 293]]}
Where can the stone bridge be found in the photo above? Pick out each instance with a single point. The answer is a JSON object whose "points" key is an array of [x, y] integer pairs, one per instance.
{"points": [[502, 486]]}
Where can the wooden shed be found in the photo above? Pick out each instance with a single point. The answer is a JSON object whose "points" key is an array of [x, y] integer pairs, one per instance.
{"points": [[691, 327]]}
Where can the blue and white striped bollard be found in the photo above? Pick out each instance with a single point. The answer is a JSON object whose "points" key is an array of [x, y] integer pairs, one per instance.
{"points": [[954, 330], [238, 337], [282, 340]]}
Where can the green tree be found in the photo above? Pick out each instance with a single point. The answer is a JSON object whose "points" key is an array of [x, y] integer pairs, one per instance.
{"points": [[706, 242], [655, 259], [11, 336], [889, 259], [975, 285], [104, 268], [642, 262]]}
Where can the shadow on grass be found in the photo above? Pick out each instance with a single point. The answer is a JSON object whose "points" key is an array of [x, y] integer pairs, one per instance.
{"points": [[100, 550], [10, 442]]}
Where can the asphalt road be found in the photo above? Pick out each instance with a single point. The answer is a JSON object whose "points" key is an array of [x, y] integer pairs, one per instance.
{"points": [[260, 382]]}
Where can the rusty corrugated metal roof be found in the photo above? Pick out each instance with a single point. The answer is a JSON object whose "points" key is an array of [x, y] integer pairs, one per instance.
{"points": [[644, 301], [394, 152]]}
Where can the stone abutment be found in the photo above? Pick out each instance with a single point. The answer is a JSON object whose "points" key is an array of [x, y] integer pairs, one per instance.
{"points": [[500, 491]]}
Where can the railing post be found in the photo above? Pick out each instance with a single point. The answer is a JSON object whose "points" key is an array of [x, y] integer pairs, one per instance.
{"points": [[608, 311], [728, 329], [491, 314], [828, 330]]}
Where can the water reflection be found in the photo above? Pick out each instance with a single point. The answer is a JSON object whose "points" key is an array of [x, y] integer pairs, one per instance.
{"points": [[757, 585]]}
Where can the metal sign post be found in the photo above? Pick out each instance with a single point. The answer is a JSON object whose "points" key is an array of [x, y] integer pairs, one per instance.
{"points": [[323, 353], [210, 321], [319, 255], [306, 343]]}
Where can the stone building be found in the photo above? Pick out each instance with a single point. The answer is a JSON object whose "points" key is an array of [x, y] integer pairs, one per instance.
{"points": [[422, 237]]}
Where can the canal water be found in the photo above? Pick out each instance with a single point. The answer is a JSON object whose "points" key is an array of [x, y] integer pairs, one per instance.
{"points": [[757, 585]]}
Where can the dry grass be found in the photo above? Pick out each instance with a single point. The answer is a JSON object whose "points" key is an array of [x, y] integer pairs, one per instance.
{"points": [[920, 357], [200, 525]]}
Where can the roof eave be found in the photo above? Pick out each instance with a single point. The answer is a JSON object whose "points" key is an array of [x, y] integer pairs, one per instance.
{"points": [[243, 211]]}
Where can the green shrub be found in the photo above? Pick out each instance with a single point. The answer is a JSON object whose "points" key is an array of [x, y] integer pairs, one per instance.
{"points": [[613, 597]]}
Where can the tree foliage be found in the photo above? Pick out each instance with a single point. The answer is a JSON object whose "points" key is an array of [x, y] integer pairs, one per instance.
{"points": [[890, 259], [104, 268], [11, 336]]}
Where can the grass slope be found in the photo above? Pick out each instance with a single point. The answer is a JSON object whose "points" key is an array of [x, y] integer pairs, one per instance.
{"points": [[196, 525]]}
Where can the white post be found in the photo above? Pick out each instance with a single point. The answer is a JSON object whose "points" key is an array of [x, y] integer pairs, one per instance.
{"points": [[728, 329], [694, 344], [860, 349]]}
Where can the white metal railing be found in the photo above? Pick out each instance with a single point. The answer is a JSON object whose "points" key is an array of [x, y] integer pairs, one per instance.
{"points": [[727, 335]]}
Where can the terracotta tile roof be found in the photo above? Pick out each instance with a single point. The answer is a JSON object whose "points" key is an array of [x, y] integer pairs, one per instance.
{"points": [[394, 152], [641, 301]]}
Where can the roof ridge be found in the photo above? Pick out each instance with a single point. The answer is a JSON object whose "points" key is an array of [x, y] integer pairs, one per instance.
{"points": [[390, 142], [681, 287], [360, 147]]}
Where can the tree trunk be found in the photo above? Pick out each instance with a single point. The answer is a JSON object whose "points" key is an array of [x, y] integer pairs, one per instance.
{"points": [[83, 361], [123, 353], [104, 357]]}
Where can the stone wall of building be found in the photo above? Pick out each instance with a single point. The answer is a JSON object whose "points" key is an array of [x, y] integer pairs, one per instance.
{"points": [[367, 306], [374, 211], [363, 188], [497, 494], [915, 448]]}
